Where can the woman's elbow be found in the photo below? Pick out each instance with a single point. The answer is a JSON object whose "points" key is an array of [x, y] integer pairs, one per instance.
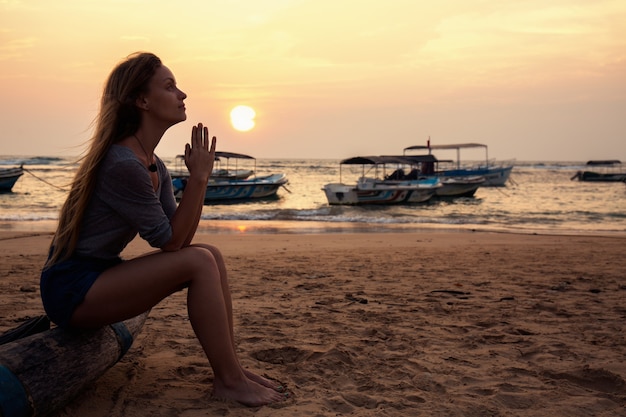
{"points": [[173, 246], [170, 248]]}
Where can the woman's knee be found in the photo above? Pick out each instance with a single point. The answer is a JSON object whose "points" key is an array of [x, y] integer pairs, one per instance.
{"points": [[200, 259], [217, 254]]}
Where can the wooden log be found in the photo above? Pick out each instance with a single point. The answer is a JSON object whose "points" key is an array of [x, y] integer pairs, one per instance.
{"points": [[41, 373]]}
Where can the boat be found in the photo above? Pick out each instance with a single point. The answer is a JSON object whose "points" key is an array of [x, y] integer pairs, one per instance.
{"points": [[379, 188], [233, 184], [246, 189], [496, 174], [451, 186], [41, 371], [9, 176], [610, 170]]}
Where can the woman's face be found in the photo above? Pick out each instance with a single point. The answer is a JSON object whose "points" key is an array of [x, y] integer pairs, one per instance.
{"points": [[164, 101]]}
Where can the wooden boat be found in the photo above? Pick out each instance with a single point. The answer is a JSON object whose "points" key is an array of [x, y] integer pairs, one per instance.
{"points": [[233, 184], [496, 174], [9, 176], [41, 373], [378, 188], [602, 171]]}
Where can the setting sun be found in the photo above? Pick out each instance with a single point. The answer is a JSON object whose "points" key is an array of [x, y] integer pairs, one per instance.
{"points": [[242, 118]]}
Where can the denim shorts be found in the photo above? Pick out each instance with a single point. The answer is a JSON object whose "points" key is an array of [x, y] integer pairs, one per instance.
{"points": [[64, 285]]}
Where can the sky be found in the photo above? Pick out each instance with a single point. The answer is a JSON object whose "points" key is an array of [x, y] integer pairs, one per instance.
{"points": [[534, 80]]}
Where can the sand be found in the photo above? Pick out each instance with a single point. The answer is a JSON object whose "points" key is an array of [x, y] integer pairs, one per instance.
{"points": [[379, 324]]}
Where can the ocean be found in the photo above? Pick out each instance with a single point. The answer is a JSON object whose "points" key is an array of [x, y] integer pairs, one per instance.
{"points": [[539, 198]]}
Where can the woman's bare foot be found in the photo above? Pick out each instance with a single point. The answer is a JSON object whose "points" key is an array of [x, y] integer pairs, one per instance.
{"points": [[248, 392], [276, 386]]}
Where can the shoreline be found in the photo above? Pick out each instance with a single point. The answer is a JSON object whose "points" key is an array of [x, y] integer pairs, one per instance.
{"points": [[265, 227]]}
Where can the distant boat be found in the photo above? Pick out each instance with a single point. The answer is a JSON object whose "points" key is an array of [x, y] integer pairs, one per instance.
{"points": [[610, 170], [495, 173], [232, 184], [377, 187], [8, 177]]}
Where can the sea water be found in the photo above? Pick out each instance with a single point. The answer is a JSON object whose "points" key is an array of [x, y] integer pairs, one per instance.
{"points": [[540, 197]]}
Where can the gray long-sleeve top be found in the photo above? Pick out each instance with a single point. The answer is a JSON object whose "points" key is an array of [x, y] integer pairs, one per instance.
{"points": [[125, 203]]}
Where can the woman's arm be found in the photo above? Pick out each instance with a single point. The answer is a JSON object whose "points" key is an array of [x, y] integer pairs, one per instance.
{"points": [[199, 160], [198, 215]]}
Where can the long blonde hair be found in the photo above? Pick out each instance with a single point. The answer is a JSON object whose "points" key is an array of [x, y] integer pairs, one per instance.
{"points": [[119, 118]]}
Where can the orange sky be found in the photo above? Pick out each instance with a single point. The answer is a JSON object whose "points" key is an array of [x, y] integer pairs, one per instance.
{"points": [[534, 80]]}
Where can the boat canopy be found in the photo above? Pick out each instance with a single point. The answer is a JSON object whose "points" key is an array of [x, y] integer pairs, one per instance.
{"points": [[456, 146], [452, 146], [388, 159], [421, 158], [227, 155]]}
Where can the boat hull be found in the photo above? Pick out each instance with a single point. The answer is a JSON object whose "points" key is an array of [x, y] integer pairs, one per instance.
{"points": [[340, 194], [41, 373], [453, 187], [420, 195], [245, 189], [381, 192], [494, 176], [8, 178], [600, 177]]}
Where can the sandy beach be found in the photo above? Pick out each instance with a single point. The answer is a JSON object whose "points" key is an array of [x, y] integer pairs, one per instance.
{"points": [[378, 324]]}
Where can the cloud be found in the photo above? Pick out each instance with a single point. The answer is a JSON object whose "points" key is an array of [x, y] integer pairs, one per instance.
{"points": [[17, 48]]}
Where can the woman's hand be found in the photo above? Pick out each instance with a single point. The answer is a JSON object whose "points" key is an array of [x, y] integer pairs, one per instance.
{"points": [[199, 157]]}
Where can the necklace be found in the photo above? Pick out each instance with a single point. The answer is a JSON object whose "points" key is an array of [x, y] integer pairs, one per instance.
{"points": [[152, 167]]}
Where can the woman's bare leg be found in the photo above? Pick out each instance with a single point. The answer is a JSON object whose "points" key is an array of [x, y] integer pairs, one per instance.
{"points": [[221, 264], [134, 286]]}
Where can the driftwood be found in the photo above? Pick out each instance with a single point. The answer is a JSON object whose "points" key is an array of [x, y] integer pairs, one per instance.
{"points": [[39, 374]]}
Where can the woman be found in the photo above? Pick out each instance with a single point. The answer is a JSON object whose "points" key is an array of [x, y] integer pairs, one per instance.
{"points": [[122, 189]]}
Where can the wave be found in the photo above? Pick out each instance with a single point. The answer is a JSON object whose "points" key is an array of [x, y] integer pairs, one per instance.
{"points": [[28, 217], [335, 215], [32, 160], [550, 165]]}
